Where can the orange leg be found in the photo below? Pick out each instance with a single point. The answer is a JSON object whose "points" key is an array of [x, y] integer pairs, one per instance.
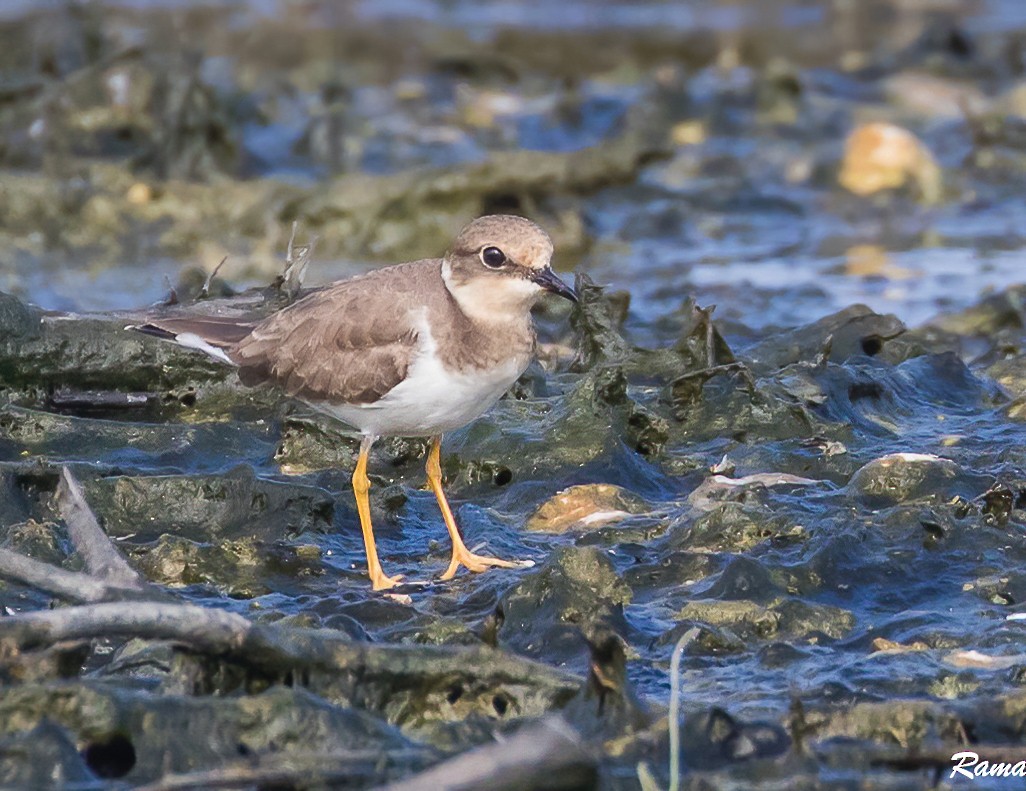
{"points": [[461, 556], [361, 485]]}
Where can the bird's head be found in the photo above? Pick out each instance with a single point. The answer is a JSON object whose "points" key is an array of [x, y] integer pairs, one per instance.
{"points": [[499, 265]]}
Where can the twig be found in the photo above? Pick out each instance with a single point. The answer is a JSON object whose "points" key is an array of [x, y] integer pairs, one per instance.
{"points": [[202, 628], [278, 650], [102, 558], [705, 374], [205, 291], [109, 576], [674, 724], [297, 258], [109, 579], [69, 585], [548, 754]]}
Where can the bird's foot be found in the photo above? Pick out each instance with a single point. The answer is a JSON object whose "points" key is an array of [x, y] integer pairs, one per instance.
{"points": [[381, 581], [479, 563]]}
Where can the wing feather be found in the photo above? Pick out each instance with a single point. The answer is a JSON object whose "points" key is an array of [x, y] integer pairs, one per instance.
{"points": [[350, 343]]}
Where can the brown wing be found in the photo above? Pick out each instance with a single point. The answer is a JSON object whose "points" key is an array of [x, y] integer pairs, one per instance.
{"points": [[350, 343]]}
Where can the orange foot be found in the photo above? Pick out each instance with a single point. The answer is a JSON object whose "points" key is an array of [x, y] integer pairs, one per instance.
{"points": [[382, 582], [479, 563]]}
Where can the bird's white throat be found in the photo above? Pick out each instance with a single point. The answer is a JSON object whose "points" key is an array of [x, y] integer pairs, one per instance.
{"points": [[493, 299]]}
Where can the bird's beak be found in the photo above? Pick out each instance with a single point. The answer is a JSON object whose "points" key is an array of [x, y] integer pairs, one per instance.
{"points": [[548, 280]]}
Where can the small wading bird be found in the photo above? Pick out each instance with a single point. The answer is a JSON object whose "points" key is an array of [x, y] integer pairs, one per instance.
{"points": [[416, 349]]}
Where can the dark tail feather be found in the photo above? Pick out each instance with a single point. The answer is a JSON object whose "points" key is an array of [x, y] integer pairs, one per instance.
{"points": [[208, 334], [214, 330], [152, 329]]}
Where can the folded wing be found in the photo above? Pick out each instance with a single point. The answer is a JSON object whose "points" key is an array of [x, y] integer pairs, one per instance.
{"points": [[345, 345]]}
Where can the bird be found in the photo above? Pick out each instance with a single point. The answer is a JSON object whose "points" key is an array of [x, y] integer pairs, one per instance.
{"points": [[417, 349]]}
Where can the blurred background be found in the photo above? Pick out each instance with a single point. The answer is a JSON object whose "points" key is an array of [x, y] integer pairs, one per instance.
{"points": [[781, 159]]}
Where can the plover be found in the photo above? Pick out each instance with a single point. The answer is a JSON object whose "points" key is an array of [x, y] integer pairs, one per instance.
{"points": [[417, 349]]}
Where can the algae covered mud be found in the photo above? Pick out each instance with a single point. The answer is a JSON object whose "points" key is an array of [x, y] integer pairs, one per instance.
{"points": [[821, 482]]}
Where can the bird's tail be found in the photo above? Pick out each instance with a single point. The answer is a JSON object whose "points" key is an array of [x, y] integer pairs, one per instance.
{"points": [[213, 335]]}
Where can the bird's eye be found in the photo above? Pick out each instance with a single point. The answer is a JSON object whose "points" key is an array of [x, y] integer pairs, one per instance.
{"points": [[493, 257]]}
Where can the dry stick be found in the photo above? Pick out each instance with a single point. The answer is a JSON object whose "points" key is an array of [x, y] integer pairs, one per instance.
{"points": [[275, 649], [205, 629], [280, 651], [674, 714], [709, 373], [102, 558], [297, 259], [205, 291], [110, 578], [533, 756], [69, 585]]}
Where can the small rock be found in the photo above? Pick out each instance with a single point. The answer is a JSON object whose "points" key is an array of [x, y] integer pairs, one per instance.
{"points": [[583, 507], [688, 133], [882, 156], [899, 477], [139, 194], [883, 645]]}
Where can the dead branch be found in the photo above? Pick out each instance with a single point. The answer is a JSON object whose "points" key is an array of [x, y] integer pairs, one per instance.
{"points": [[205, 291], [266, 647], [69, 585], [400, 681], [102, 558], [548, 754], [109, 576], [713, 370], [297, 258], [201, 628]]}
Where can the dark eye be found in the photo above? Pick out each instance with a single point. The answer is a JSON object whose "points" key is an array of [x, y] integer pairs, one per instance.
{"points": [[493, 257]]}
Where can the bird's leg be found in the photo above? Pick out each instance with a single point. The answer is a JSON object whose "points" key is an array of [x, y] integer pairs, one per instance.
{"points": [[361, 485], [461, 556]]}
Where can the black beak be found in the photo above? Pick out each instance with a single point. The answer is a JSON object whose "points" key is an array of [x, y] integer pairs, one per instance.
{"points": [[548, 280]]}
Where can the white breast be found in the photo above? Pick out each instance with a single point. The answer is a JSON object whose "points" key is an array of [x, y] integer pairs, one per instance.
{"points": [[431, 399]]}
